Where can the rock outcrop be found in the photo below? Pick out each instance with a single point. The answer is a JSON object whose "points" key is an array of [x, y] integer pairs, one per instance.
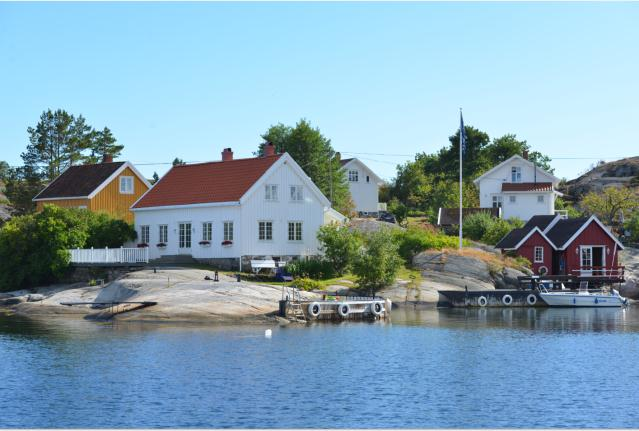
{"points": [[618, 173]]}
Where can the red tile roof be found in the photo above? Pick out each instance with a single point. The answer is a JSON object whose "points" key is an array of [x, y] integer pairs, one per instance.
{"points": [[207, 182], [526, 187]]}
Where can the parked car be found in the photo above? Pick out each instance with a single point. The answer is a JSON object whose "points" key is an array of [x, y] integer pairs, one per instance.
{"points": [[387, 217]]}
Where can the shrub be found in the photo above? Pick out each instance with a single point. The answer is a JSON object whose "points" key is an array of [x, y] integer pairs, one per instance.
{"points": [[307, 284], [313, 267], [632, 225], [398, 209], [339, 246], [415, 240], [496, 231], [376, 264], [33, 248], [476, 225]]}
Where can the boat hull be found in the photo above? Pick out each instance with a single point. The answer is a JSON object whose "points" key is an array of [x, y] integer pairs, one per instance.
{"points": [[577, 300]]}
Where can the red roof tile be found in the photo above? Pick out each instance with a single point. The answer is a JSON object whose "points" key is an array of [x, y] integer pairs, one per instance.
{"points": [[526, 187], [207, 182]]}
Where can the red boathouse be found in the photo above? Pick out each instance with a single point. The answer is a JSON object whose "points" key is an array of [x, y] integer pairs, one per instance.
{"points": [[556, 245]]}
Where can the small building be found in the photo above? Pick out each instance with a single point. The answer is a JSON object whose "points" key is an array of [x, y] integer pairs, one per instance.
{"points": [[557, 245], [232, 211], [519, 187], [363, 184], [109, 187], [448, 217]]}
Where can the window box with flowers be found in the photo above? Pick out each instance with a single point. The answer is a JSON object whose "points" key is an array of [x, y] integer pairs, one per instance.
{"points": [[227, 243], [205, 243], [160, 245], [143, 245]]}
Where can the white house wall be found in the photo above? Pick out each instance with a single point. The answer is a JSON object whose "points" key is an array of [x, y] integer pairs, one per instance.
{"points": [[365, 194], [527, 204]]}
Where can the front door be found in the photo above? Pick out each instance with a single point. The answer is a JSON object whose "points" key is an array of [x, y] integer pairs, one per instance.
{"points": [[598, 260], [586, 261], [184, 246]]}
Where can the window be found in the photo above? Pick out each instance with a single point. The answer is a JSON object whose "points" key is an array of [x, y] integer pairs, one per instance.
{"points": [[296, 194], [540, 199], [126, 185], [294, 231], [228, 231], [144, 234], [353, 176], [515, 173], [539, 255], [265, 231], [82, 207], [270, 193], [586, 256], [164, 233], [497, 201], [207, 231], [185, 235], [513, 199], [368, 179]]}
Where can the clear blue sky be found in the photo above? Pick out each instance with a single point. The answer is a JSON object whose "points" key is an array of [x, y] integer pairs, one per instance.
{"points": [[187, 80]]}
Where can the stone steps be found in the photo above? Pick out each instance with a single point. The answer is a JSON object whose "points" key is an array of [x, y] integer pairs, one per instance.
{"points": [[178, 259]]}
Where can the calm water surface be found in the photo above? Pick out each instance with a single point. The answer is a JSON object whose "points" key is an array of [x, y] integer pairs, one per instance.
{"points": [[435, 368]]}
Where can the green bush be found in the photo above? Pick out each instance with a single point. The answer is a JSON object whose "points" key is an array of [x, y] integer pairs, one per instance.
{"points": [[476, 225], [496, 231], [313, 267], [415, 240], [339, 246], [377, 263], [632, 225], [33, 248], [307, 284]]}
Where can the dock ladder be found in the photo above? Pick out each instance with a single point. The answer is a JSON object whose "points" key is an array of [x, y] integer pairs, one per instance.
{"points": [[294, 305]]}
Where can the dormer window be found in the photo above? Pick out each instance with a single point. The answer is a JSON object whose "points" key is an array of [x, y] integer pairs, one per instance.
{"points": [[126, 185], [353, 176], [515, 173]]}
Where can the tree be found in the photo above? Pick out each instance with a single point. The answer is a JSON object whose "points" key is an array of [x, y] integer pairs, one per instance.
{"points": [[339, 245], [178, 162], [21, 185], [315, 155], [4, 170], [608, 204], [103, 143], [155, 178], [378, 261]]}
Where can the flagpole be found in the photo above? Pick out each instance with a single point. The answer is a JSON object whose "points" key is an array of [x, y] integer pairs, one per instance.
{"points": [[461, 134]]}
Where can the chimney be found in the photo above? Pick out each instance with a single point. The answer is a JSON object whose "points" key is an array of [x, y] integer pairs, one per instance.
{"points": [[525, 154], [269, 149], [227, 155], [107, 158]]}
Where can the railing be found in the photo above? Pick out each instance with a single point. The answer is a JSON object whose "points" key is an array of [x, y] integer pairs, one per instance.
{"points": [[110, 255], [600, 271]]}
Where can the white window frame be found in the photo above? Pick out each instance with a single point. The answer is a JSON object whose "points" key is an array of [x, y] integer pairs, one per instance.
{"points": [[270, 192], [297, 231], [188, 234], [296, 193], [515, 174], [353, 175], [126, 181], [145, 234], [539, 259], [499, 200], [207, 231], [512, 199], [163, 233], [263, 228], [228, 230], [540, 199]]}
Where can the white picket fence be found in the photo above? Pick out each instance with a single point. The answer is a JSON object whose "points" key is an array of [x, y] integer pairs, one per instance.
{"points": [[110, 255]]}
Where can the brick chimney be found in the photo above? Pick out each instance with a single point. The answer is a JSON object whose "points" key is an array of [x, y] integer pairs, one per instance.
{"points": [[525, 154], [227, 155], [269, 149], [107, 158]]}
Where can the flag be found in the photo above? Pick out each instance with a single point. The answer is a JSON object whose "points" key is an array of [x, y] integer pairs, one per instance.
{"points": [[462, 133]]}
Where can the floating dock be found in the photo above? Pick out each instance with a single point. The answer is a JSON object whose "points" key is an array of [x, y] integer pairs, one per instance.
{"points": [[332, 307], [490, 298]]}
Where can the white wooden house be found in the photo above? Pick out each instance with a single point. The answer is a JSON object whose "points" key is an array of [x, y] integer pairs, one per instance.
{"points": [[519, 187], [232, 211], [363, 184]]}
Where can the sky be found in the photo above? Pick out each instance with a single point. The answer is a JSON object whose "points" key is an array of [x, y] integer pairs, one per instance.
{"points": [[382, 81]]}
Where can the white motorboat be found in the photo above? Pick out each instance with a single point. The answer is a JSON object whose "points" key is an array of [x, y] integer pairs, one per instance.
{"points": [[582, 298]]}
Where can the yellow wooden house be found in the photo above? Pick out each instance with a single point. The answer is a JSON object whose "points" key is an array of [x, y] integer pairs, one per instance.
{"points": [[109, 187]]}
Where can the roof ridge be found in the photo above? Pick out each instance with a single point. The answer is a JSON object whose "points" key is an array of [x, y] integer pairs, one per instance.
{"points": [[227, 161]]}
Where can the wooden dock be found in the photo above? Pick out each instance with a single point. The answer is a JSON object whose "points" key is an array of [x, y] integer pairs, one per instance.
{"points": [[332, 307]]}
